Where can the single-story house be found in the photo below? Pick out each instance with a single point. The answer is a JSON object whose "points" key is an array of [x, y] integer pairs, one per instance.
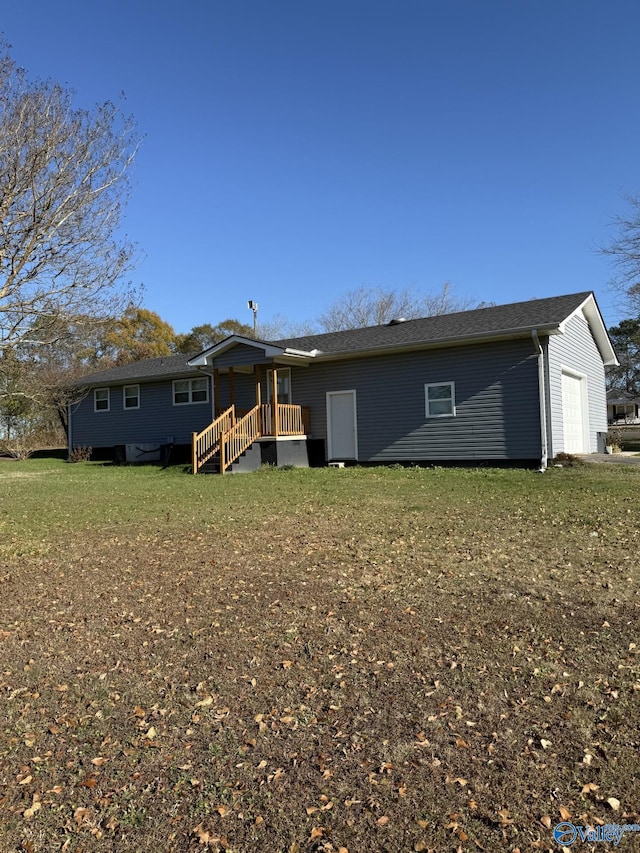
{"points": [[623, 407], [516, 383]]}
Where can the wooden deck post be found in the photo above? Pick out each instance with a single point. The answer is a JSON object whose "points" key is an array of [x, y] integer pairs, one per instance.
{"points": [[194, 454], [274, 397], [216, 392], [259, 398]]}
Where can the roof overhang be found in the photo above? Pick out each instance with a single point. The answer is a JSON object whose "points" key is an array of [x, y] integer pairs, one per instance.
{"points": [[590, 311], [440, 343], [268, 350], [96, 382]]}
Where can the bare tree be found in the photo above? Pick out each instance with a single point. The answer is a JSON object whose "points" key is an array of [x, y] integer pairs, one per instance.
{"points": [[63, 181], [280, 327], [366, 306], [624, 253]]}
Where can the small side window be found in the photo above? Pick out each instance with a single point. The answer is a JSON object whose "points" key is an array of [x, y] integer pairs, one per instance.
{"points": [[440, 400], [101, 400], [131, 397]]}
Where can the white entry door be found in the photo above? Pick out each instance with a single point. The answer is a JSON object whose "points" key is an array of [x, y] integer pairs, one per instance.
{"points": [[342, 433], [573, 414]]}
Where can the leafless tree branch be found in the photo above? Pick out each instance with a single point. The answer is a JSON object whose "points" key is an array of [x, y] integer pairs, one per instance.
{"points": [[63, 182]]}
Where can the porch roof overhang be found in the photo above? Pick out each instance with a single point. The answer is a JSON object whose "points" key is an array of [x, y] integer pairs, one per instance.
{"points": [[264, 351]]}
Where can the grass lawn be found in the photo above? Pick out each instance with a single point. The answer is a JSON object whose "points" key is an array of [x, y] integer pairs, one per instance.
{"points": [[316, 660]]}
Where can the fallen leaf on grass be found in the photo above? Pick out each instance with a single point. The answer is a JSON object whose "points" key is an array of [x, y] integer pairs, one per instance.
{"points": [[565, 814], [614, 803], [545, 820], [99, 761], [80, 814], [203, 836], [589, 788], [382, 821], [35, 806]]}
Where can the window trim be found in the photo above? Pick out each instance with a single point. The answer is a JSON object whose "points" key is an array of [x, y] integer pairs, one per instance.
{"points": [[107, 408], [452, 398], [124, 398], [191, 401]]}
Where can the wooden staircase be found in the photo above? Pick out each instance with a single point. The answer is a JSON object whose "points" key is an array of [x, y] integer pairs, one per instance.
{"points": [[223, 442]]}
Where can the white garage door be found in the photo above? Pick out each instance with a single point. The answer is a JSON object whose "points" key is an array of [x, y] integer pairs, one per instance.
{"points": [[573, 414]]}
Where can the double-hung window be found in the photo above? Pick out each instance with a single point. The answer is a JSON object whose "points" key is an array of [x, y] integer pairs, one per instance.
{"points": [[187, 391], [101, 401], [131, 397], [440, 399]]}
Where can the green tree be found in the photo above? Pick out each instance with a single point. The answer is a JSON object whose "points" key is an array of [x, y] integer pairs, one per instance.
{"points": [[206, 335], [139, 333], [626, 342]]}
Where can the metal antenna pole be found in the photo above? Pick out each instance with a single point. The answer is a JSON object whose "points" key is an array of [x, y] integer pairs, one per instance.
{"points": [[253, 306]]}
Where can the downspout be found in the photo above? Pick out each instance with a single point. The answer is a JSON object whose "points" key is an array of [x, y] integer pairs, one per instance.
{"points": [[69, 428], [212, 396], [543, 401]]}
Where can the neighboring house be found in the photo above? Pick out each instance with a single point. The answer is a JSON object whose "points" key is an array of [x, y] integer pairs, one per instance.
{"points": [[520, 382], [622, 407]]}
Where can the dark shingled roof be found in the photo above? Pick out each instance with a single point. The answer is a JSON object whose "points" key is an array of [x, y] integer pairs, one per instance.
{"points": [[518, 317], [148, 368], [497, 321]]}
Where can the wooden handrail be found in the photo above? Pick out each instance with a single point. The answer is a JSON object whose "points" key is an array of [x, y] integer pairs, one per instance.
{"points": [[206, 444], [231, 437], [239, 438], [292, 419]]}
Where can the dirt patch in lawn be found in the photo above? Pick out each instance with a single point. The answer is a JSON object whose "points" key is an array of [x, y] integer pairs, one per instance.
{"points": [[324, 681]]}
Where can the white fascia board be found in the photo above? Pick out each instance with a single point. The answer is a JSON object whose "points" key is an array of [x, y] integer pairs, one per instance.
{"points": [[591, 313], [301, 353]]}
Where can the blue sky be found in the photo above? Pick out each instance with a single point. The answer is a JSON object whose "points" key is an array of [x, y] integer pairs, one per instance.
{"points": [[297, 149]]}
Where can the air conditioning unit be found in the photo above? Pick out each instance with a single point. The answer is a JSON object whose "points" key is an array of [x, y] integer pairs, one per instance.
{"points": [[143, 451]]}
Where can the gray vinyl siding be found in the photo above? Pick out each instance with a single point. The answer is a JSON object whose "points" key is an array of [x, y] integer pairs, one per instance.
{"points": [[576, 349], [244, 390], [156, 420], [241, 354], [497, 402]]}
